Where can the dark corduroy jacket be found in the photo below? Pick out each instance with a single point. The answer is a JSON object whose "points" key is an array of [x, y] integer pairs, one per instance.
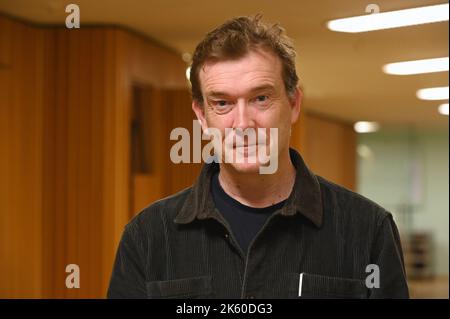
{"points": [[325, 242]]}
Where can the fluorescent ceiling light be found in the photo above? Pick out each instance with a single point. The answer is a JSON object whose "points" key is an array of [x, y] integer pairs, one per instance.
{"points": [[443, 109], [438, 93], [366, 127], [391, 19], [417, 66]]}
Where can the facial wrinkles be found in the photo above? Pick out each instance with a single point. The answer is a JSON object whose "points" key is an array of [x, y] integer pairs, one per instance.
{"points": [[242, 74], [237, 78], [238, 84]]}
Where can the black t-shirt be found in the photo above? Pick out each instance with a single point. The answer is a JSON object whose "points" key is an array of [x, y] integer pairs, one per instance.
{"points": [[245, 221]]}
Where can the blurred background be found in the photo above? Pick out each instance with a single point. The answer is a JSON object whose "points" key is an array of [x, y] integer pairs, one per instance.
{"points": [[86, 113]]}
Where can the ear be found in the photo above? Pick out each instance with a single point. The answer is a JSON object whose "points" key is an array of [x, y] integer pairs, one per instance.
{"points": [[296, 102], [199, 113]]}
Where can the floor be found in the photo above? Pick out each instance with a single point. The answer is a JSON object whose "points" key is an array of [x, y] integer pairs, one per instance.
{"points": [[434, 288]]}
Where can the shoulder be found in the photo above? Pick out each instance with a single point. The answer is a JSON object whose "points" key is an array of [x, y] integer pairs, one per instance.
{"points": [[158, 214], [349, 206]]}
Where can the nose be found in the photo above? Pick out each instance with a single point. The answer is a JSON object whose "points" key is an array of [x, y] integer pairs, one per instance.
{"points": [[244, 117]]}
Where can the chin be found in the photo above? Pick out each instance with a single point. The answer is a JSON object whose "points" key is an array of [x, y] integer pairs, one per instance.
{"points": [[248, 162]]}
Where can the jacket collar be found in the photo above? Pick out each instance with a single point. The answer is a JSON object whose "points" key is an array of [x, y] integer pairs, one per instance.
{"points": [[305, 198]]}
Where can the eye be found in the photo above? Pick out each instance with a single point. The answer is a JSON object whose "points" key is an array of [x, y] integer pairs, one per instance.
{"points": [[221, 106], [261, 100], [219, 103]]}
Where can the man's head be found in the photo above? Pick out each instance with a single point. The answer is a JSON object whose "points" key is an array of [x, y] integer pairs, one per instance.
{"points": [[243, 76]]}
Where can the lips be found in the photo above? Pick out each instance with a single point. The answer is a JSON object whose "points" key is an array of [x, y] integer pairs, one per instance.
{"points": [[244, 146]]}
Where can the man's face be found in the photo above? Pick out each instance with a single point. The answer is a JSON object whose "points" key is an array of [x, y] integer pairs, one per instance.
{"points": [[247, 93]]}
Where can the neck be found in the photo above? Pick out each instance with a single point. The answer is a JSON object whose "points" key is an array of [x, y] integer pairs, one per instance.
{"points": [[259, 190]]}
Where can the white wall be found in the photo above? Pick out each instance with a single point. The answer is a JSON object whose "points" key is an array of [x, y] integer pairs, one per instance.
{"points": [[406, 172]]}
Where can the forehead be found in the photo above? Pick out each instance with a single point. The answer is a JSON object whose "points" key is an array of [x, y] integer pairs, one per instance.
{"points": [[255, 69]]}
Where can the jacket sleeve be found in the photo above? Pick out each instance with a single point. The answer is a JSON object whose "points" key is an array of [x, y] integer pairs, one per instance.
{"points": [[387, 254], [128, 275]]}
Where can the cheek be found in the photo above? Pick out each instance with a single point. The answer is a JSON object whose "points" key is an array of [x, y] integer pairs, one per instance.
{"points": [[281, 119], [220, 122], [286, 115], [277, 117]]}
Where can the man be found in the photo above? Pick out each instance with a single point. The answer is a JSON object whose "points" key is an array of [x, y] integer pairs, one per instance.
{"points": [[239, 233]]}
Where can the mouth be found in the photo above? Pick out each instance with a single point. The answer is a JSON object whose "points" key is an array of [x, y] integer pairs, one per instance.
{"points": [[244, 146]]}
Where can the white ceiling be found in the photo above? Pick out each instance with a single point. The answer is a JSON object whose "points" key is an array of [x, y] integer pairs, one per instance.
{"points": [[340, 73]]}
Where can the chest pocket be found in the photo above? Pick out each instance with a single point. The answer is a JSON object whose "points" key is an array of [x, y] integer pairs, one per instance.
{"points": [[324, 287], [195, 287]]}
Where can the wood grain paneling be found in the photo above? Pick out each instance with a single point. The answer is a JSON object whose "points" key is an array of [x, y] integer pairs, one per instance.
{"points": [[328, 148], [6, 42], [65, 114], [21, 104], [97, 76], [179, 114]]}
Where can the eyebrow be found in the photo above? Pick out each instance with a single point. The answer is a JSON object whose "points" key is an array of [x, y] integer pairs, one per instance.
{"points": [[252, 90]]}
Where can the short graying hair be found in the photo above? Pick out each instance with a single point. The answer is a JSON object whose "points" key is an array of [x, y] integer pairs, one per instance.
{"points": [[234, 39]]}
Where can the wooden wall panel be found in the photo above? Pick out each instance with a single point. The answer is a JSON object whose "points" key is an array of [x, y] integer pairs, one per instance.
{"points": [[53, 224], [73, 178], [152, 65], [5, 245], [99, 79], [167, 109], [328, 147], [146, 190], [108, 217], [6, 33], [5, 146], [21, 166], [160, 82], [180, 114], [150, 186]]}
